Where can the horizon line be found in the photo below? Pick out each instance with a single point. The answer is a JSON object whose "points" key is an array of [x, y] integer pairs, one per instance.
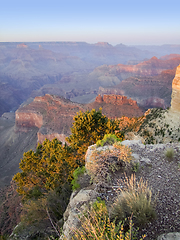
{"points": [[100, 42]]}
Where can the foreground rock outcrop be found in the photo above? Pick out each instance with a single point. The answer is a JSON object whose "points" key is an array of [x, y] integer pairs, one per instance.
{"points": [[162, 177], [78, 203]]}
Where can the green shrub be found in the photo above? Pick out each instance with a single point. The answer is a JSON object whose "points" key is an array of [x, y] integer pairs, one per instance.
{"points": [[50, 207], [135, 167], [88, 128], [169, 153], [3, 237], [109, 139], [96, 225], [78, 171], [136, 199]]}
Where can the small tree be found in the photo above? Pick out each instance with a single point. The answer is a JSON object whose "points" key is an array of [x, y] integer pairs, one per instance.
{"points": [[47, 168], [88, 128], [52, 164]]}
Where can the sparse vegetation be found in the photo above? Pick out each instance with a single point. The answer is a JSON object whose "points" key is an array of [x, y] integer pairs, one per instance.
{"points": [[78, 171], [52, 164], [96, 224], [135, 167], [105, 162], [135, 198], [108, 139], [169, 153], [49, 209], [88, 128]]}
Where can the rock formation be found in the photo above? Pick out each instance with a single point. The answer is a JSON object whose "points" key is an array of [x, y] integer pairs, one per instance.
{"points": [[116, 100], [53, 115], [158, 178], [27, 70], [148, 91], [22, 45], [175, 97], [28, 120], [116, 106]]}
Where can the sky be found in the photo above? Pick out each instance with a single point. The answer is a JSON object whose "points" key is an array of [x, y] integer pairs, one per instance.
{"points": [[130, 22]]}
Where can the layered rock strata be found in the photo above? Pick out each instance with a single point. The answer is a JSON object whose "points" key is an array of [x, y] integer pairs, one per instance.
{"points": [[116, 100], [53, 115], [175, 97], [149, 91]]}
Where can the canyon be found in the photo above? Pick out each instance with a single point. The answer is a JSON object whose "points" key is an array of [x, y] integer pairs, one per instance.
{"points": [[74, 70], [30, 70], [53, 115], [48, 73], [148, 91], [48, 117]]}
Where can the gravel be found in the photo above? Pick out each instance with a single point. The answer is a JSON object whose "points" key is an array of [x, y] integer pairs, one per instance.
{"points": [[163, 177]]}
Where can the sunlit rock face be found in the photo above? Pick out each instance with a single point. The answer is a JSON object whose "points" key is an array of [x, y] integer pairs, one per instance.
{"points": [[116, 100], [175, 97]]}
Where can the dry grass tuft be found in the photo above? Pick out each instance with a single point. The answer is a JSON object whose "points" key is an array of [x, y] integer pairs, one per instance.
{"points": [[135, 198], [169, 153], [96, 225], [103, 163]]}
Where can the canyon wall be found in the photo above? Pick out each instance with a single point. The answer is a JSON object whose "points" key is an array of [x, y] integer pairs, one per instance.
{"points": [[175, 97], [149, 91], [27, 120], [53, 115], [115, 100]]}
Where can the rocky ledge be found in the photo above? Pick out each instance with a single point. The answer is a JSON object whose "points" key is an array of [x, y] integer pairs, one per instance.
{"points": [[162, 176]]}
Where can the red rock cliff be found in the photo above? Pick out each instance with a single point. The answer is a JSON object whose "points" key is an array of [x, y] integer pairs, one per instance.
{"points": [[116, 106], [116, 100], [25, 120], [51, 114], [54, 115]]}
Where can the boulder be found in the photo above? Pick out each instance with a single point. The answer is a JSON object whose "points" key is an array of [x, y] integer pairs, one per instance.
{"points": [[169, 236], [77, 204], [129, 143]]}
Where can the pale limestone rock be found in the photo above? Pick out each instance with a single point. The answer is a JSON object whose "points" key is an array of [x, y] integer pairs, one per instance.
{"points": [[170, 236], [135, 157], [131, 142], [146, 161], [77, 204], [93, 148], [175, 97]]}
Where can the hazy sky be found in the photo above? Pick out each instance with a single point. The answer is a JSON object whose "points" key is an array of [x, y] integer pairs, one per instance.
{"points": [[114, 21]]}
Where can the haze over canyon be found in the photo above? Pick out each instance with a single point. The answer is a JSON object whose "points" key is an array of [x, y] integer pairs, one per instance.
{"points": [[123, 80]]}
